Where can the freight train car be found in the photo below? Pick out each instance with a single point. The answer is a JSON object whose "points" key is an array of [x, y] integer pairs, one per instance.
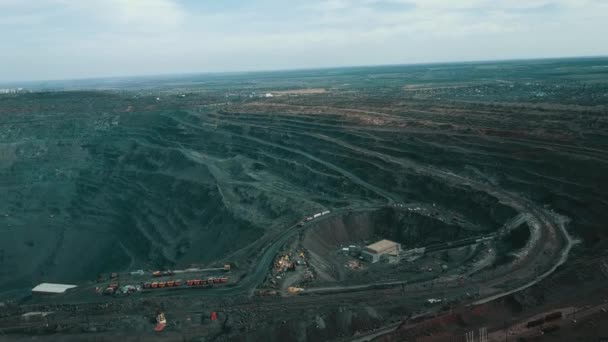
{"points": [[535, 323], [190, 283], [553, 316]]}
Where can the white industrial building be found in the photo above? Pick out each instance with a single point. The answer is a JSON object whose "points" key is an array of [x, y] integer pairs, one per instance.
{"points": [[374, 252], [49, 288]]}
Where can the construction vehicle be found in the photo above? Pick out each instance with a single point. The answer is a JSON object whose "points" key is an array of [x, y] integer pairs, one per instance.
{"points": [[163, 273], [111, 289], [294, 290], [161, 322], [127, 289]]}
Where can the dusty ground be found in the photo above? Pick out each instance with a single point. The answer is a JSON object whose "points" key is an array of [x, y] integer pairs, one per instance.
{"points": [[308, 91], [103, 181]]}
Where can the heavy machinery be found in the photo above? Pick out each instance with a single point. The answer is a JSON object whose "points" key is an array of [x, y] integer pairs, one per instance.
{"points": [[161, 322], [294, 290], [111, 289]]}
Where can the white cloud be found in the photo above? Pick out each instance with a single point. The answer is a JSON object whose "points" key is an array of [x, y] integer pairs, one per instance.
{"points": [[77, 38], [130, 15], [145, 15]]}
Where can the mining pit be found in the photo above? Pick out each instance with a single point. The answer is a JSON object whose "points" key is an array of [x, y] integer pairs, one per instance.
{"points": [[495, 195]]}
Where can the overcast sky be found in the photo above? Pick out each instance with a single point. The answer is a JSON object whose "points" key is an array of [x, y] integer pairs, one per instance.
{"points": [[61, 39]]}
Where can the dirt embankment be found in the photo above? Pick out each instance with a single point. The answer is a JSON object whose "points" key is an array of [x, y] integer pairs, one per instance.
{"points": [[408, 228]]}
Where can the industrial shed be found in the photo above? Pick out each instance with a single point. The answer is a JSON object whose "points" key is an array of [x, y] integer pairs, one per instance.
{"points": [[375, 251], [49, 288]]}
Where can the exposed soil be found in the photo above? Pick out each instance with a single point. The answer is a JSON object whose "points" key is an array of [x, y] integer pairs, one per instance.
{"points": [[164, 174]]}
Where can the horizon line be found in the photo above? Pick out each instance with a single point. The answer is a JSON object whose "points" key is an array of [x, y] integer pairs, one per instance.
{"points": [[245, 71]]}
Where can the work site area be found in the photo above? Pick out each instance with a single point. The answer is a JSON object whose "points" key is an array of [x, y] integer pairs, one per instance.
{"points": [[402, 203]]}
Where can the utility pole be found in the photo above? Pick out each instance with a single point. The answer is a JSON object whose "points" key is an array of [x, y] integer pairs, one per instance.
{"points": [[483, 334], [470, 336]]}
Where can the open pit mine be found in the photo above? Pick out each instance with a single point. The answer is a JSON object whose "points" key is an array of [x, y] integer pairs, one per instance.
{"points": [[451, 202]]}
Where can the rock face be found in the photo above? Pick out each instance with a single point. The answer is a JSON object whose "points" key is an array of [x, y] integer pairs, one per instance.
{"points": [[88, 193], [102, 181]]}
